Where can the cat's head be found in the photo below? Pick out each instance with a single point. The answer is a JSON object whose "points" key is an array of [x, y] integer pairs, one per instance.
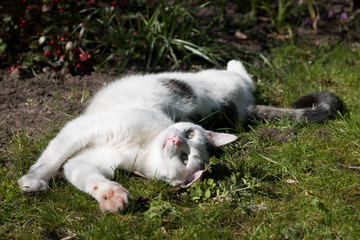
{"points": [[184, 150]]}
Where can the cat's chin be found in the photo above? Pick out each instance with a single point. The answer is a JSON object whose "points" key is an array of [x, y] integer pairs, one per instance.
{"points": [[176, 183]]}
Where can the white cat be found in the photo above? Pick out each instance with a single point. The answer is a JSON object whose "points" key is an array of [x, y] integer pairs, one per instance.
{"points": [[143, 123]]}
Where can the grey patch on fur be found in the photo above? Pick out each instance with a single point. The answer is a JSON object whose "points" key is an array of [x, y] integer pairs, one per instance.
{"points": [[181, 89], [225, 117], [316, 106]]}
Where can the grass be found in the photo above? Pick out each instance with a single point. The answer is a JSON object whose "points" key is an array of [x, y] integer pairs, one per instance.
{"points": [[83, 36], [257, 188]]}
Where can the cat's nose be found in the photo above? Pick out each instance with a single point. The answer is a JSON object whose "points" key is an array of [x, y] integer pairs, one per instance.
{"points": [[176, 140]]}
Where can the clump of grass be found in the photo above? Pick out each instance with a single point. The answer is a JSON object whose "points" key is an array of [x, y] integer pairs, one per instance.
{"points": [[167, 31]]}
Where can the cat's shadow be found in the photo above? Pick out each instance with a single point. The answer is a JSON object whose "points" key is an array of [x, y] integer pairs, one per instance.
{"points": [[217, 172], [138, 205]]}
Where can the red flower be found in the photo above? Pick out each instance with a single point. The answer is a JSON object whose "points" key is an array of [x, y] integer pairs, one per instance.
{"points": [[84, 56], [78, 65], [47, 54], [113, 4], [11, 69], [62, 39], [22, 22], [58, 52], [91, 2]]}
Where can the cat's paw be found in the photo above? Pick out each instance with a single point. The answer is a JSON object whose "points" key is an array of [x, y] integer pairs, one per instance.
{"points": [[31, 184], [114, 199]]}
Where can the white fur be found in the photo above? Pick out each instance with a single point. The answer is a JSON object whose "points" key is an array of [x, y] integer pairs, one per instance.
{"points": [[129, 125], [211, 87]]}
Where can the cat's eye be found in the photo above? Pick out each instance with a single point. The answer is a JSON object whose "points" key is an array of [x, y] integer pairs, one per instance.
{"points": [[184, 158], [190, 134]]}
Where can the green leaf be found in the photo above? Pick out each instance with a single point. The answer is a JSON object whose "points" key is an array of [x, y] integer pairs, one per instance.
{"points": [[42, 39], [207, 194], [34, 44], [47, 29], [197, 50], [3, 46], [82, 31]]}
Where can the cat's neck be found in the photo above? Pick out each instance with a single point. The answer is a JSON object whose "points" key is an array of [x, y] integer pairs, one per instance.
{"points": [[148, 157]]}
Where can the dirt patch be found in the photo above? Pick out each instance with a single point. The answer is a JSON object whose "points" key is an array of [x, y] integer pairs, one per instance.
{"points": [[32, 103], [280, 136]]}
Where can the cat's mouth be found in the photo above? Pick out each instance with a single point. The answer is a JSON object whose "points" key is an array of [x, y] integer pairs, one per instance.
{"points": [[166, 142], [193, 178]]}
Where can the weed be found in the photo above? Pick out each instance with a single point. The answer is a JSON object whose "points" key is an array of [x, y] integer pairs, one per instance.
{"points": [[82, 36]]}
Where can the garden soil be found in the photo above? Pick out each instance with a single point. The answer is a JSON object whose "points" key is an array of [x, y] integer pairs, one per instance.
{"points": [[32, 104]]}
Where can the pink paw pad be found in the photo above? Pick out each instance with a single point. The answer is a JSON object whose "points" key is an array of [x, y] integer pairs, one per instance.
{"points": [[114, 199]]}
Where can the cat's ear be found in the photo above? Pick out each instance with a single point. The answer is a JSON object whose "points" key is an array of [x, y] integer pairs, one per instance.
{"points": [[219, 139]]}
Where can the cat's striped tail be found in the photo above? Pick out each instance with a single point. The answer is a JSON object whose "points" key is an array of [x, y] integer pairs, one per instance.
{"points": [[316, 106]]}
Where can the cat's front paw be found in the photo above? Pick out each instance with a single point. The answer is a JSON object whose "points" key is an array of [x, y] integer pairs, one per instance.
{"points": [[114, 199], [31, 184]]}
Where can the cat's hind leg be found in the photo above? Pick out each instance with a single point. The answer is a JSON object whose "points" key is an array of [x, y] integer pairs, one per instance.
{"points": [[238, 67], [90, 171]]}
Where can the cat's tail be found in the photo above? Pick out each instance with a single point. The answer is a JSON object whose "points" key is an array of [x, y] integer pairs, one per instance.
{"points": [[316, 107]]}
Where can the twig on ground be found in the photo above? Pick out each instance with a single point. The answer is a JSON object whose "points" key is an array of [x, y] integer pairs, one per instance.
{"points": [[349, 167]]}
